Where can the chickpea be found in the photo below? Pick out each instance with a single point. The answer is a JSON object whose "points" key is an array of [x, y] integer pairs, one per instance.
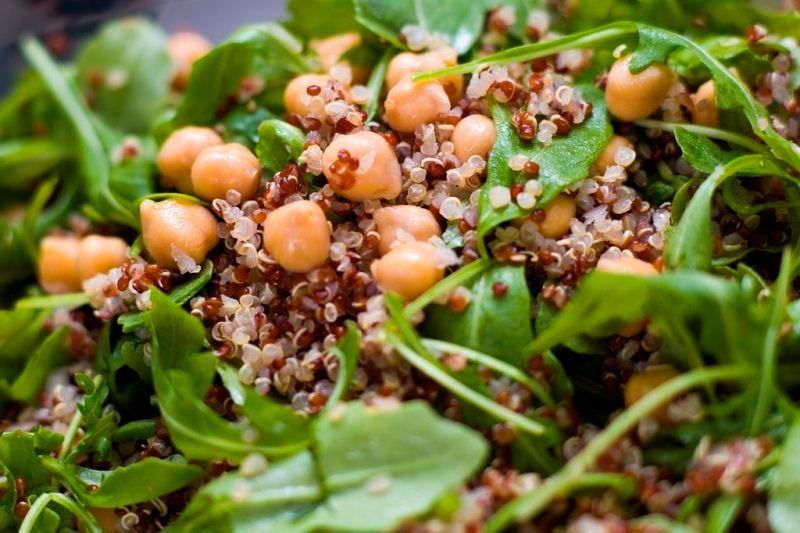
{"points": [[641, 384], [410, 105], [628, 265], [98, 255], [408, 269], [173, 228], [607, 156], [179, 152], [297, 236], [362, 166], [296, 98], [634, 96], [704, 110], [409, 63], [417, 222], [557, 217], [58, 264], [331, 49], [184, 48], [220, 168], [473, 135]]}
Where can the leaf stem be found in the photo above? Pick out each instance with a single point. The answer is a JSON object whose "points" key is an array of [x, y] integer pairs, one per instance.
{"points": [[462, 391], [532, 503], [495, 364], [74, 425], [459, 277], [712, 133], [38, 507]]}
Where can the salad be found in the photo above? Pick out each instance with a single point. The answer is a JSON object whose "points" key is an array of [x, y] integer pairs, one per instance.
{"points": [[417, 266]]}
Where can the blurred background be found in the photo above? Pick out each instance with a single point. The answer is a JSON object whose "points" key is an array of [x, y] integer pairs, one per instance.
{"points": [[62, 23]]}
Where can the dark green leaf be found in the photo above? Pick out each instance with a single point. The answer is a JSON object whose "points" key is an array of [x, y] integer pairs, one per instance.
{"points": [[314, 19], [499, 325], [346, 351], [241, 125], [127, 70], [701, 152], [459, 22], [722, 514], [26, 159], [49, 355], [561, 164]]}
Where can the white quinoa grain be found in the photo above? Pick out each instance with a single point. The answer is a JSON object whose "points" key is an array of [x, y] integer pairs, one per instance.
{"points": [[499, 197]]}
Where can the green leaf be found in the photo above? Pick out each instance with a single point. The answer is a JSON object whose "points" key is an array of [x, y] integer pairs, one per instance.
{"points": [[564, 162], [374, 475], [784, 490], [278, 144], [126, 69], [49, 355], [499, 325], [241, 125], [23, 160], [701, 152], [346, 351], [314, 19], [125, 485], [94, 160], [181, 375], [459, 22], [726, 320], [722, 514], [689, 244], [18, 455], [133, 320]]}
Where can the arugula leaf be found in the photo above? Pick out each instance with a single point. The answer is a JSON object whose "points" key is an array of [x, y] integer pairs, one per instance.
{"points": [[377, 79], [181, 376], [460, 23], [722, 514], [689, 244], [728, 323], [125, 485], [368, 475], [278, 144], [701, 152], [130, 59], [241, 125], [18, 455], [562, 163], [94, 161], [347, 351], [49, 355], [313, 19], [784, 489], [497, 325], [729, 50], [23, 160]]}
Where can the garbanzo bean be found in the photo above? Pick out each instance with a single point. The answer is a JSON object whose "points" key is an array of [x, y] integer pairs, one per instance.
{"points": [[473, 135], [362, 166], [179, 152], [609, 153], [98, 255], [557, 217], [184, 48], [408, 269], [394, 220], [409, 63], [220, 168], [410, 105], [58, 264], [628, 265], [297, 236], [644, 382], [704, 110], [332, 48], [174, 228], [296, 98], [635, 96]]}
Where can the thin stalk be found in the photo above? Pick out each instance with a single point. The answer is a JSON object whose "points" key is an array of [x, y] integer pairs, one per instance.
{"points": [[51, 301], [74, 425], [90, 525], [449, 283], [530, 504], [769, 352], [495, 364], [462, 391], [528, 52], [375, 83], [712, 133]]}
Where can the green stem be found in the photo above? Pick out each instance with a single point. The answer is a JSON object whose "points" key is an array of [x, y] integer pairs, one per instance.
{"points": [[89, 523], [74, 425], [713, 133], [532, 503], [459, 277], [495, 364], [51, 301], [375, 83], [528, 52], [462, 391], [770, 349]]}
